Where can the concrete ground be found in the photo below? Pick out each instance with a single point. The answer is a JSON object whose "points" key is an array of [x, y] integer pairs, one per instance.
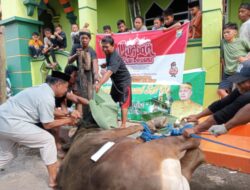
{"points": [[27, 172]]}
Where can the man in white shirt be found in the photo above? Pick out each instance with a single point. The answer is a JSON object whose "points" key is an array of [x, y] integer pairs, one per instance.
{"points": [[244, 16], [19, 115]]}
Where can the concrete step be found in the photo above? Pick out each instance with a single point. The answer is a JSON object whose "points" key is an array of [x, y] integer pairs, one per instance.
{"points": [[227, 157]]}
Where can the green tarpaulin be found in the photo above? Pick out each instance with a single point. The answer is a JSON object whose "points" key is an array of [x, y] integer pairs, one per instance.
{"points": [[104, 110]]}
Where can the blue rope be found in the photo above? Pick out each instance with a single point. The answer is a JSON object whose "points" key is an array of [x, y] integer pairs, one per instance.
{"points": [[220, 143], [147, 135]]}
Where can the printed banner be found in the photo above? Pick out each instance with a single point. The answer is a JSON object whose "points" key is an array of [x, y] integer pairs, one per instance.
{"points": [[176, 100], [151, 57]]}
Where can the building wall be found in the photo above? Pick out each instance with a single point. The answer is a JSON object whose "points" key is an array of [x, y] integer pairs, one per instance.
{"points": [[15, 8], [63, 19], [109, 11], [18, 30]]}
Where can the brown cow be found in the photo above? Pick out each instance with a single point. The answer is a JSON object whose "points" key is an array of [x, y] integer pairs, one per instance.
{"points": [[163, 164]]}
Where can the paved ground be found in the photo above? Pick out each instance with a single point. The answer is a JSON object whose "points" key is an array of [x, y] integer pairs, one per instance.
{"points": [[27, 172], [208, 177]]}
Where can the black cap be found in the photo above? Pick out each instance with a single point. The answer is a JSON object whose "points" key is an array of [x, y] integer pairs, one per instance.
{"points": [[242, 75], [60, 75], [193, 4]]}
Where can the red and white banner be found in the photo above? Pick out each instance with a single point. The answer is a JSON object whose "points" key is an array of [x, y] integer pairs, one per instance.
{"points": [[152, 57]]}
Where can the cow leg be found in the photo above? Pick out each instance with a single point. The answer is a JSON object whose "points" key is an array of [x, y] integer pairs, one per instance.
{"points": [[192, 159], [172, 178], [157, 123], [188, 143]]}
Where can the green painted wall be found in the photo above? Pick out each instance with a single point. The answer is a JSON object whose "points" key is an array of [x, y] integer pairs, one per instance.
{"points": [[211, 37], [17, 33], [63, 19], [12, 8], [193, 55], [109, 11], [88, 13], [37, 70]]}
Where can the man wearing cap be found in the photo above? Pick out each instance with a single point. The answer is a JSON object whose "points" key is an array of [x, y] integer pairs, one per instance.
{"points": [[195, 28], [221, 111], [19, 115]]}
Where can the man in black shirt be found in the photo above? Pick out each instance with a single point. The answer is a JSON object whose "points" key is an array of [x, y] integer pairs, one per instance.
{"points": [[222, 111], [120, 76], [61, 40]]}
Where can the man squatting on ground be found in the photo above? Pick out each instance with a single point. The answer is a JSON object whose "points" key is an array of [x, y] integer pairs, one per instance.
{"points": [[19, 115], [120, 76], [221, 113]]}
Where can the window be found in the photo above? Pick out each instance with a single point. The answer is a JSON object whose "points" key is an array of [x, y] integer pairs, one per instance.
{"points": [[153, 12], [180, 8]]}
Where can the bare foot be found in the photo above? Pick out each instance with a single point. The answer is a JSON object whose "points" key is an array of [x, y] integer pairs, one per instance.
{"points": [[52, 183], [123, 126], [54, 64], [49, 66]]}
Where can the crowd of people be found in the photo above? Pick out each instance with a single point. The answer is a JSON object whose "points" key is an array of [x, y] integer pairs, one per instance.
{"points": [[58, 41], [164, 22]]}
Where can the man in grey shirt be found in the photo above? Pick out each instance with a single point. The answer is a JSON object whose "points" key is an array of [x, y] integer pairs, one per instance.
{"points": [[19, 115], [244, 16]]}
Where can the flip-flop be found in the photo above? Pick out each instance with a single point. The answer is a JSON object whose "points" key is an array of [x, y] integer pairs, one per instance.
{"points": [[53, 186]]}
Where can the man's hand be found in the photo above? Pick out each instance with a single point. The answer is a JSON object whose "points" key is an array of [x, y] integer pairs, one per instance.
{"points": [[76, 114], [78, 51], [218, 129], [191, 118], [72, 121], [242, 59], [45, 50], [188, 132], [96, 77], [97, 87], [56, 48]]}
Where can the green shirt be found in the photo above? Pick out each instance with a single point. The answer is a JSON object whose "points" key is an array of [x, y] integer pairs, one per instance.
{"points": [[230, 51]]}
